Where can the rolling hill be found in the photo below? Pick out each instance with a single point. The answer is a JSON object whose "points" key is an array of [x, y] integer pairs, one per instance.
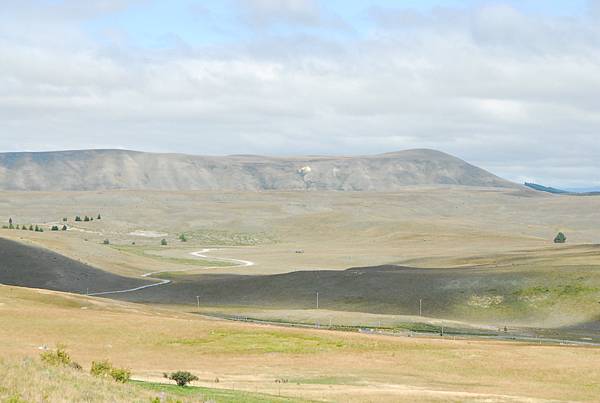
{"points": [[121, 169]]}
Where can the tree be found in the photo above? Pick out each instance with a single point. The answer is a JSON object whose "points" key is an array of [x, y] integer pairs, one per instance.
{"points": [[10, 221], [99, 217], [31, 228], [54, 228], [560, 238], [182, 238], [181, 377], [106, 242], [163, 242], [64, 227], [77, 218], [24, 227], [86, 219], [64, 219]]}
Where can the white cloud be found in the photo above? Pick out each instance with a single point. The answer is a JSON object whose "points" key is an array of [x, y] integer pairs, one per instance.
{"points": [[511, 92]]}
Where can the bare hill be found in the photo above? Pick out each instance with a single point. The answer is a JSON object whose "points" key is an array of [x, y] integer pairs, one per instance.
{"points": [[121, 169]]}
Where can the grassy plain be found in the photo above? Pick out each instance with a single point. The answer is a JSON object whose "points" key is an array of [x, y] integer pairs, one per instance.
{"points": [[481, 258], [294, 363]]}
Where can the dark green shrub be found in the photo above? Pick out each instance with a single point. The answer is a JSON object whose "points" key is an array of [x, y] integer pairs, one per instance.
{"points": [[163, 242], [64, 227], [560, 238], [181, 377], [55, 228], [99, 217], [106, 242], [86, 219], [182, 238], [77, 218]]}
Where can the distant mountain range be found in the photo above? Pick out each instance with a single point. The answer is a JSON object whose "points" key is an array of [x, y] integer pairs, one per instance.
{"points": [[122, 169], [578, 192]]}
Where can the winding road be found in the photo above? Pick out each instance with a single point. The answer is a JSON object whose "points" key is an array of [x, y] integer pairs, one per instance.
{"points": [[199, 254]]}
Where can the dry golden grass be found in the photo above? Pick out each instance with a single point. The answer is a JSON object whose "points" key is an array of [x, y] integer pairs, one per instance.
{"points": [[317, 364]]}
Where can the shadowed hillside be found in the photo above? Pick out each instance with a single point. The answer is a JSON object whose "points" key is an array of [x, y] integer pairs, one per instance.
{"points": [[33, 267], [119, 169]]}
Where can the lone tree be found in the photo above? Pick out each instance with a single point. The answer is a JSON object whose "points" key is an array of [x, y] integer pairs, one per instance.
{"points": [[163, 242], [560, 238], [181, 377], [99, 217]]}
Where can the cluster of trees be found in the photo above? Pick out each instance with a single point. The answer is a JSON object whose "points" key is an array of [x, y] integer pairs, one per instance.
{"points": [[23, 227], [85, 218], [37, 228]]}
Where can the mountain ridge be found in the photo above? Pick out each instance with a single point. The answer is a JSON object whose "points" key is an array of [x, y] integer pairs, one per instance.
{"points": [[105, 169]]}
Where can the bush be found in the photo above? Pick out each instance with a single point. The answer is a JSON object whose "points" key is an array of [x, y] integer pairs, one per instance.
{"points": [[77, 218], [120, 374], [560, 238], [99, 217], [163, 242], [31, 228], [181, 377], [86, 219], [64, 227], [182, 238], [64, 219], [101, 368], [106, 242], [104, 368], [55, 228], [59, 356]]}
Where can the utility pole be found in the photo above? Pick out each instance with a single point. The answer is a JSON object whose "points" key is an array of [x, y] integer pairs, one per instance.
{"points": [[198, 302], [420, 307]]}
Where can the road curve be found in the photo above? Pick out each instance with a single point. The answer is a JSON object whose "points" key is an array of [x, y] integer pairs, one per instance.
{"points": [[200, 254]]}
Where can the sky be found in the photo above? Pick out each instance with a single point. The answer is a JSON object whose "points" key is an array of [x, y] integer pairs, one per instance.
{"points": [[511, 86]]}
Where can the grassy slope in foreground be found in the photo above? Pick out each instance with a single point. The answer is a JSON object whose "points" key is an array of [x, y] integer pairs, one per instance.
{"points": [[63, 384], [251, 358]]}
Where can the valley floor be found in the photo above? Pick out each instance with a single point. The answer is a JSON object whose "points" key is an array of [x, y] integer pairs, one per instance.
{"points": [[311, 364]]}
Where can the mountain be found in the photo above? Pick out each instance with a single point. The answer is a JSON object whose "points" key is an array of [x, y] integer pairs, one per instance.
{"points": [[122, 169], [542, 188], [580, 192]]}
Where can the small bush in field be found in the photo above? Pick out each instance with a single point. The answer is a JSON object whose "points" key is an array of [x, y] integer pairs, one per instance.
{"points": [[105, 368], [181, 377], [101, 368], [59, 356], [120, 374]]}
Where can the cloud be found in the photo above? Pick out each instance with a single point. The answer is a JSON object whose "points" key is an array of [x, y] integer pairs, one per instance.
{"points": [[266, 12], [511, 92]]}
